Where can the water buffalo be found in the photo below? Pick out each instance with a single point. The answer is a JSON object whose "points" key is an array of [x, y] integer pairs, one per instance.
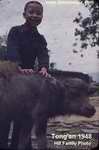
{"points": [[31, 100]]}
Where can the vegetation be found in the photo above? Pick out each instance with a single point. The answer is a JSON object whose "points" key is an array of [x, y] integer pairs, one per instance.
{"points": [[88, 28], [3, 47]]}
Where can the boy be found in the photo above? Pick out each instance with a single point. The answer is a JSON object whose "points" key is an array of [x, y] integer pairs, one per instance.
{"points": [[25, 44]]}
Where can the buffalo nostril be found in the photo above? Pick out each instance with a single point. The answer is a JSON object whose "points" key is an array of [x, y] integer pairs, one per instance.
{"points": [[88, 110], [91, 111], [92, 90]]}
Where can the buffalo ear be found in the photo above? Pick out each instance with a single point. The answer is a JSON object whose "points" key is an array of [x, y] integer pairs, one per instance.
{"points": [[76, 86], [2, 75], [5, 76], [71, 89], [92, 89]]}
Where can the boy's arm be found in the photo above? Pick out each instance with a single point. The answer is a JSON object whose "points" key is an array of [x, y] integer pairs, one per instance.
{"points": [[43, 57], [13, 49], [13, 45]]}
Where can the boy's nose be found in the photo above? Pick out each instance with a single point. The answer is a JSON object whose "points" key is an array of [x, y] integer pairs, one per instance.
{"points": [[34, 15]]}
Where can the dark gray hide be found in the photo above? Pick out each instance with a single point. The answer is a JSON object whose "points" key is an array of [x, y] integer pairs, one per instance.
{"points": [[32, 100]]}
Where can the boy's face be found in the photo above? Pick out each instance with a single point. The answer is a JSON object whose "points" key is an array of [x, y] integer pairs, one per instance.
{"points": [[33, 14]]}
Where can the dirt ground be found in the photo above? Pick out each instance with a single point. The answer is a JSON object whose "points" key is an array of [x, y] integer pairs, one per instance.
{"points": [[73, 132]]}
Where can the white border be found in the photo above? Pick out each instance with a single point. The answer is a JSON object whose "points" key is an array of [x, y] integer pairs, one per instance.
{"points": [[62, 2]]}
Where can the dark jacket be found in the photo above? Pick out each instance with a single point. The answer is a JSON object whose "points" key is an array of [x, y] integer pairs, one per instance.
{"points": [[25, 45]]}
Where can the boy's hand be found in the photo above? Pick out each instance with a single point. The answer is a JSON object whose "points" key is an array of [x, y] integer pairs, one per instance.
{"points": [[26, 71], [44, 72]]}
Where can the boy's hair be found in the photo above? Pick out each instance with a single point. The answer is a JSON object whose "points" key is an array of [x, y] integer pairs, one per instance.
{"points": [[32, 2]]}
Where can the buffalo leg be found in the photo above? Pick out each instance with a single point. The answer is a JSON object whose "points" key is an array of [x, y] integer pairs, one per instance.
{"points": [[40, 131]]}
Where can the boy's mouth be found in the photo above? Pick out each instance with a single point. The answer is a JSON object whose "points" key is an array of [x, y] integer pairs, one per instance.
{"points": [[34, 21]]}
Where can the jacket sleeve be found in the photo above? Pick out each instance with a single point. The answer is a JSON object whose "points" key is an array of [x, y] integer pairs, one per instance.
{"points": [[43, 57], [13, 45]]}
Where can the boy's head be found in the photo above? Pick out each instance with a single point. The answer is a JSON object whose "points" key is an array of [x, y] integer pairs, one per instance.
{"points": [[33, 13]]}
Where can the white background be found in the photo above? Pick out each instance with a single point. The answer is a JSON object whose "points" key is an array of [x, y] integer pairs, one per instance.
{"points": [[58, 29]]}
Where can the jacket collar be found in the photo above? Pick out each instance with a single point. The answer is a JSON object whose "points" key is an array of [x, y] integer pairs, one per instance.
{"points": [[25, 27]]}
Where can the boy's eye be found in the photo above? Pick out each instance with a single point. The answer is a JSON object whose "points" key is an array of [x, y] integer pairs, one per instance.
{"points": [[38, 13], [35, 12], [30, 12]]}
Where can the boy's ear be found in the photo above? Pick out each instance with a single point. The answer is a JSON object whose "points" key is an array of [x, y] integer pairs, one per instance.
{"points": [[24, 14]]}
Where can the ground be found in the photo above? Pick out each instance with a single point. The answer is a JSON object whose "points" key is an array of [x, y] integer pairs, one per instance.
{"points": [[73, 132]]}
